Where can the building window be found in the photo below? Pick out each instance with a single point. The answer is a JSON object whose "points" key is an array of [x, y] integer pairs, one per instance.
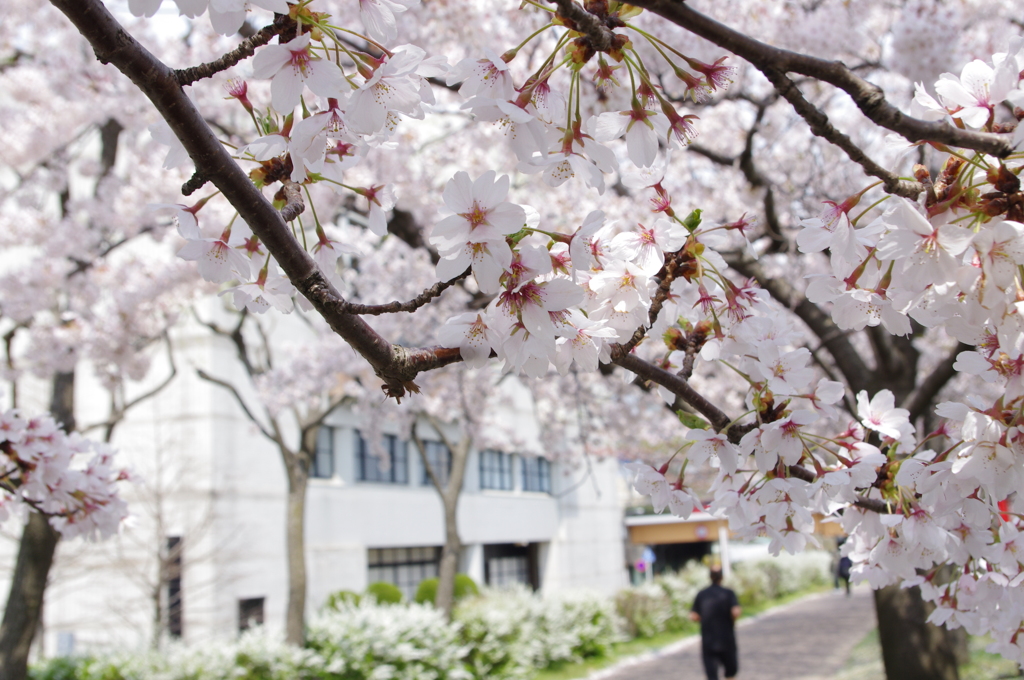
{"points": [[536, 474], [172, 581], [511, 563], [495, 470], [404, 567], [250, 613], [323, 457], [439, 457], [393, 469]]}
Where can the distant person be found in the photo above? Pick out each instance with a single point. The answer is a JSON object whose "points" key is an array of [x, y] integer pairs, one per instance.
{"points": [[843, 572], [716, 608]]}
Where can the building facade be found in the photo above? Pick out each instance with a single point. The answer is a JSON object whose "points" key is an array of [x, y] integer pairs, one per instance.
{"points": [[204, 555]]}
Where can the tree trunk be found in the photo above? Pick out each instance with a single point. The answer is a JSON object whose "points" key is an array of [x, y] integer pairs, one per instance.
{"points": [[298, 476], [35, 557], [445, 599], [911, 648], [25, 602], [450, 494]]}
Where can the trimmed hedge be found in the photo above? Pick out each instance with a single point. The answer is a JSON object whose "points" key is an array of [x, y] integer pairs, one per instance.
{"points": [[465, 587]]}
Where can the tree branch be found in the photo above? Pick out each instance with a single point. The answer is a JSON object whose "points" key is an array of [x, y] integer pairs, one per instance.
{"points": [[600, 36], [678, 386], [241, 402], [245, 49], [293, 203], [923, 397], [397, 366], [410, 306], [871, 504], [820, 125], [868, 97]]}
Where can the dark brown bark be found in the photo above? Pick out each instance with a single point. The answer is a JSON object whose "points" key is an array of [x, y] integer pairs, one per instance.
{"points": [[911, 648], [35, 557], [25, 602]]}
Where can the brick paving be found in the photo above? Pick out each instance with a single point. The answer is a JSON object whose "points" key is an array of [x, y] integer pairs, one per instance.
{"points": [[809, 639]]}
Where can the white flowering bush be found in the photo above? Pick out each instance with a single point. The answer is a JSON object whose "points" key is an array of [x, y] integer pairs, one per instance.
{"points": [[644, 609], [368, 641], [664, 604], [511, 631], [502, 632], [576, 625], [254, 656], [776, 577], [679, 589]]}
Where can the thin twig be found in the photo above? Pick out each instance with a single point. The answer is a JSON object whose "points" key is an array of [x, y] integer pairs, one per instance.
{"points": [[245, 49], [410, 306], [293, 203]]}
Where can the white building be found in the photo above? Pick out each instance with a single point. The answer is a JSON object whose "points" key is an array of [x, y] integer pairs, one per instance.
{"points": [[212, 509]]}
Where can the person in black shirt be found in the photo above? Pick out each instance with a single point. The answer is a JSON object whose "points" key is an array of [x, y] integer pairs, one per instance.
{"points": [[716, 608]]}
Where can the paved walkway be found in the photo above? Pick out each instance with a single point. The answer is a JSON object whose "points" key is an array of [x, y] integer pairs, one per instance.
{"points": [[809, 639]]}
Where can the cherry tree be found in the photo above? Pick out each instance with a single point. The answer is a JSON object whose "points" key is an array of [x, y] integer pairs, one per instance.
{"points": [[693, 298], [80, 286]]}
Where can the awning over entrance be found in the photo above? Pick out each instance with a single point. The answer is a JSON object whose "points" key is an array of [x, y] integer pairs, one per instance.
{"points": [[699, 527]]}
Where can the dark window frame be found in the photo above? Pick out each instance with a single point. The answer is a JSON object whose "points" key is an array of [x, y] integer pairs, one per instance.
{"points": [[250, 612], [496, 471], [403, 567], [536, 474], [434, 451], [322, 465], [172, 581], [369, 465]]}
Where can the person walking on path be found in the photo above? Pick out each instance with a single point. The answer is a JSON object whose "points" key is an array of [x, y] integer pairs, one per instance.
{"points": [[716, 608]]}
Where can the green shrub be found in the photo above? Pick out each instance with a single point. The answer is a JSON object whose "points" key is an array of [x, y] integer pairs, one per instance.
{"points": [[465, 587], [335, 599], [384, 593], [58, 668]]}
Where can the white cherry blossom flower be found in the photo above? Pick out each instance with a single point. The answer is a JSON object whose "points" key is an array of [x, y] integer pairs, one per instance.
{"points": [[393, 88], [652, 483], [217, 261], [488, 77], [880, 414], [642, 129], [646, 246], [378, 17], [292, 65], [474, 334], [976, 92]]}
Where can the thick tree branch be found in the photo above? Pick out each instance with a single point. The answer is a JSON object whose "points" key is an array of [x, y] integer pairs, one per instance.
{"points": [[588, 24], [868, 97], [820, 125], [396, 366], [924, 396], [678, 386]]}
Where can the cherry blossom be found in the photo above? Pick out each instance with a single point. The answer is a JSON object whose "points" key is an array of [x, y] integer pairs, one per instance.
{"points": [[378, 17], [291, 66]]}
